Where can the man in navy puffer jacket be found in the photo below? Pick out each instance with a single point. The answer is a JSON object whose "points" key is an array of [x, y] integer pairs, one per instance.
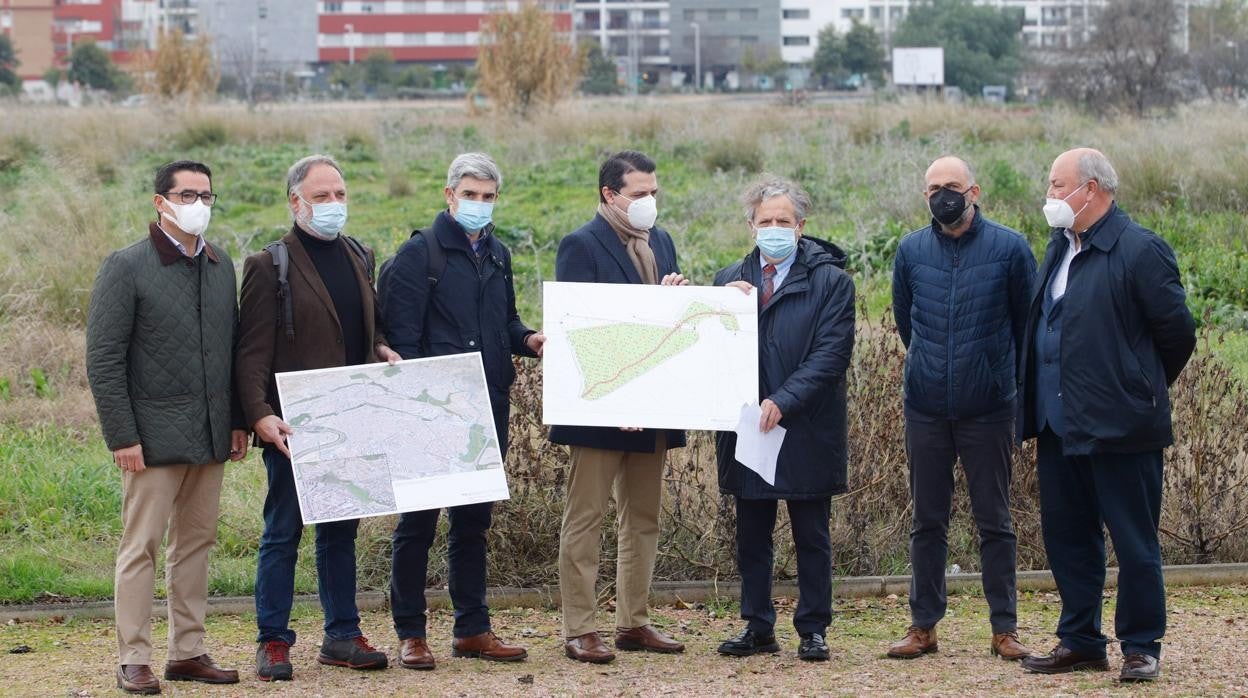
{"points": [[960, 297]]}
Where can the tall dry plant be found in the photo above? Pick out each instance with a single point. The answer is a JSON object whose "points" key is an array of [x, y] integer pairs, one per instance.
{"points": [[525, 62], [179, 68], [1206, 504]]}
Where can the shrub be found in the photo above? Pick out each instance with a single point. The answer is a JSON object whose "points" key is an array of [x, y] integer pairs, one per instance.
{"points": [[729, 155], [205, 133]]}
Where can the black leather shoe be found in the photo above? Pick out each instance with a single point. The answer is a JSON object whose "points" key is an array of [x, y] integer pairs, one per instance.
{"points": [[1062, 660], [812, 648], [749, 643], [1139, 667]]}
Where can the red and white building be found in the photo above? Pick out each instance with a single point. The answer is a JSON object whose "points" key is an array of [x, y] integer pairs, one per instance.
{"points": [[427, 31], [45, 31]]}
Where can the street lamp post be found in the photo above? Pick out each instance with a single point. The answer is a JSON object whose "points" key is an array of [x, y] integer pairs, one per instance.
{"points": [[350, 29], [697, 56]]}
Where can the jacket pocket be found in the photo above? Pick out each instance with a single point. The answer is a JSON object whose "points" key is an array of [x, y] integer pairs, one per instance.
{"points": [[167, 426], [1137, 383]]}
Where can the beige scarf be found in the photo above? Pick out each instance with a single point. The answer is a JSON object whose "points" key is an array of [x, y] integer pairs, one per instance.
{"points": [[636, 241]]}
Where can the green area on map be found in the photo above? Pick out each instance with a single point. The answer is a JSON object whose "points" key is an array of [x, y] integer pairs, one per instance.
{"points": [[611, 355]]}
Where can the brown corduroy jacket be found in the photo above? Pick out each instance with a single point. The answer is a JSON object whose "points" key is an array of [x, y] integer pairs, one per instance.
{"points": [[264, 348]]}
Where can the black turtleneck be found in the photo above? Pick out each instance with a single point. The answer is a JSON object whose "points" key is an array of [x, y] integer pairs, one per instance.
{"points": [[332, 263]]}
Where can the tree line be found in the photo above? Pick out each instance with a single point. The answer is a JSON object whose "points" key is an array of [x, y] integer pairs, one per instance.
{"points": [[1130, 55]]}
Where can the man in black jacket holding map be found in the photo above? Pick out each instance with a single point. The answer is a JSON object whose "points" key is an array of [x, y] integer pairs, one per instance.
{"points": [[449, 291]]}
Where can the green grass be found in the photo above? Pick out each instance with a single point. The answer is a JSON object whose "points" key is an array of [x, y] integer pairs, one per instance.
{"points": [[60, 520]]}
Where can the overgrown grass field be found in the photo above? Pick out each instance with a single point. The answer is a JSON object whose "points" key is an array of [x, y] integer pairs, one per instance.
{"points": [[76, 184]]}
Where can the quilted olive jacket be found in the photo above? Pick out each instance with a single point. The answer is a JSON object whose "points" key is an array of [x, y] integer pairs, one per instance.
{"points": [[160, 337]]}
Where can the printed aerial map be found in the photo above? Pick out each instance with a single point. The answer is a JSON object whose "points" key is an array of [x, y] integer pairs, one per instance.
{"points": [[379, 439]]}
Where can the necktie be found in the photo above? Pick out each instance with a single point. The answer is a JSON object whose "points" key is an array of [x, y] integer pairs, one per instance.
{"points": [[769, 282]]}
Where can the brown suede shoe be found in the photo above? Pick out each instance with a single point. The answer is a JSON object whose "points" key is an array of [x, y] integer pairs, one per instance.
{"points": [[917, 642], [1006, 646], [487, 646], [588, 648], [137, 678], [414, 654], [201, 669], [646, 638]]}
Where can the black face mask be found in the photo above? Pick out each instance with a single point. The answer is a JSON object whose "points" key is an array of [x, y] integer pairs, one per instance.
{"points": [[947, 205]]}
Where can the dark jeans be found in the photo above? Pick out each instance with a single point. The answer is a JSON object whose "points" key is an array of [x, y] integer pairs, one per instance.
{"points": [[466, 549], [756, 519], [279, 548], [932, 448], [1077, 495], [465, 559]]}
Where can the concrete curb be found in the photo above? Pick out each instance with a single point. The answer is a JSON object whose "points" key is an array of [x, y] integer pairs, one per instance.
{"points": [[661, 593]]}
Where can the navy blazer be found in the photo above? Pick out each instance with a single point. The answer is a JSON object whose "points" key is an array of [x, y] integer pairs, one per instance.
{"points": [[594, 254], [1126, 335]]}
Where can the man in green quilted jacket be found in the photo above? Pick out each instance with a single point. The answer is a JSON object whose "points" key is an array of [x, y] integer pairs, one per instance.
{"points": [[160, 335]]}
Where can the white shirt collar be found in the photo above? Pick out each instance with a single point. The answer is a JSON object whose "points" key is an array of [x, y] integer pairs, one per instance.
{"points": [[199, 243]]}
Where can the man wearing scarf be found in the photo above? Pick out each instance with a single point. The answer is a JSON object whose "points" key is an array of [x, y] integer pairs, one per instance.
{"points": [[622, 246]]}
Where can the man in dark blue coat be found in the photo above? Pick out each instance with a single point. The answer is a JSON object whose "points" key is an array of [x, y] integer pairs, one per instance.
{"points": [[1107, 332], [458, 298], [805, 340], [621, 245], [960, 292]]}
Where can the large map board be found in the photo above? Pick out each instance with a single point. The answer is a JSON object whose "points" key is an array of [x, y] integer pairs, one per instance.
{"points": [[380, 439], [628, 355]]}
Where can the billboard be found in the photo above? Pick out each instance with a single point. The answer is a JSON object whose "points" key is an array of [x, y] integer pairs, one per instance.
{"points": [[919, 66]]}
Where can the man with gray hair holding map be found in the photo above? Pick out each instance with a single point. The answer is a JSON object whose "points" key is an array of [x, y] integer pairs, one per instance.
{"points": [[307, 303], [806, 339], [449, 291]]}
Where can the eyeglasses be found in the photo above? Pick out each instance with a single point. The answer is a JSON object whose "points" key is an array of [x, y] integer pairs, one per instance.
{"points": [[187, 196]]}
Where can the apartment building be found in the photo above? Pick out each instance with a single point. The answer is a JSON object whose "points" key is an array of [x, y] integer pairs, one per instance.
{"points": [[434, 31]]}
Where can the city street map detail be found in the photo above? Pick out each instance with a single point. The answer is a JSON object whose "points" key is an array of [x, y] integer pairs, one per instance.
{"points": [[627, 355], [380, 439]]}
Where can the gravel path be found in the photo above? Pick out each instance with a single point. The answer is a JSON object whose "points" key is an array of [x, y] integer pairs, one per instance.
{"points": [[75, 658]]}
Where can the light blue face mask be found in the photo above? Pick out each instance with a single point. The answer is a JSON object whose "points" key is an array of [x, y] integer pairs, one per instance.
{"points": [[776, 242], [328, 219], [473, 215]]}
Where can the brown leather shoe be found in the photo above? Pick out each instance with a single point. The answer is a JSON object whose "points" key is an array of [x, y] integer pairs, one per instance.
{"points": [[917, 642], [487, 646], [201, 669], [1062, 660], [414, 654], [137, 678], [646, 638], [1006, 646], [588, 648]]}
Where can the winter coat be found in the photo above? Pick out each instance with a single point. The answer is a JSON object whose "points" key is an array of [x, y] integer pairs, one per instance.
{"points": [[1126, 335], [805, 340], [960, 305], [160, 337]]}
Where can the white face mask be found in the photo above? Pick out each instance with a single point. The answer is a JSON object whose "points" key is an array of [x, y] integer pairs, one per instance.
{"points": [[191, 218], [1059, 214], [643, 212]]}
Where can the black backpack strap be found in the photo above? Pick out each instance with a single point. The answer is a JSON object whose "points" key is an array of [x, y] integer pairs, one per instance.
{"points": [[281, 261], [436, 256], [358, 249]]}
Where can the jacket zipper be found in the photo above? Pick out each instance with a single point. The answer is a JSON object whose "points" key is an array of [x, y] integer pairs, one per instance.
{"points": [[953, 291]]}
